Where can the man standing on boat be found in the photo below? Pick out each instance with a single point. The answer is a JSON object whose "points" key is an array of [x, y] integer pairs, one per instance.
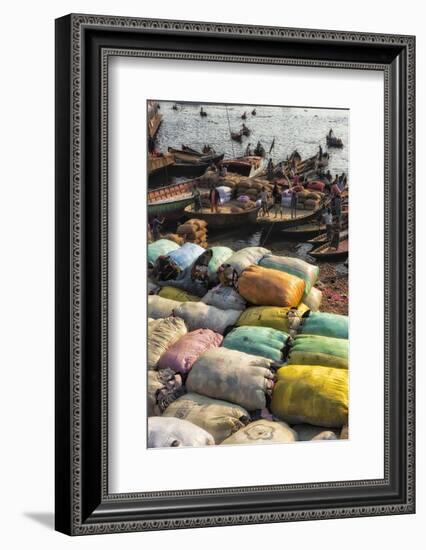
{"points": [[264, 202], [214, 199], [197, 198], [156, 225], [270, 170], [328, 220], [276, 194], [249, 152]]}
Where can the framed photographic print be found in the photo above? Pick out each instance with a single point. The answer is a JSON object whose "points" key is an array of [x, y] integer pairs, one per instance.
{"points": [[223, 355]]}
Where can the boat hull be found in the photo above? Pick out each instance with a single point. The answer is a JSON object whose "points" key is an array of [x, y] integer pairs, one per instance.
{"points": [[323, 252], [170, 210], [171, 200]]}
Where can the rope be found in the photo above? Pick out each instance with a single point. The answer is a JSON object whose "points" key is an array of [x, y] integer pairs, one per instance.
{"points": [[229, 128]]}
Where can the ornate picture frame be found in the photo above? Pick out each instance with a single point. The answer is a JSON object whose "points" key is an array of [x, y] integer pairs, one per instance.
{"points": [[84, 44]]}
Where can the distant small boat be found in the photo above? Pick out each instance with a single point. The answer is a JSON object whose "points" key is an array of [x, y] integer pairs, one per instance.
{"points": [[244, 115], [259, 150], [245, 131], [333, 141], [171, 200], [237, 136], [253, 112], [202, 112], [225, 219], [324, 252], [175, 107]]}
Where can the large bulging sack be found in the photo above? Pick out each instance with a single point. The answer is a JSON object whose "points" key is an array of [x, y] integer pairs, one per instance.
{"points": [[174, 432], [326, 324], [177, 294], [270, 287], [306, 432], [310, 349], [173, 265], [163, 388], [263, 341], [213, 258], [233, 376], [160, 248], [313, 299], [293, 266], [246, 257], [261, 432], [162, 333], [182, 355], [279, 318], [311, 394], [220, 418], [159, 307], [224, 297], [199, 315]]}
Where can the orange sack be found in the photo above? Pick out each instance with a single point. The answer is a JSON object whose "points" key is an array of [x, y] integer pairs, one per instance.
{"points": [[269, 287]]}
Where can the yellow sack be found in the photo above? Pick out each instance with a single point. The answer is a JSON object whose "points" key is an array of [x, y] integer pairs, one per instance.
{"points": [[177, 294], [313, 394], [269, 316], [317, 358], [270, 287]]}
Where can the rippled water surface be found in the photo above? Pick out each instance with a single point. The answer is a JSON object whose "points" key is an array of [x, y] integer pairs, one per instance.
{"points": [[292, 128]]}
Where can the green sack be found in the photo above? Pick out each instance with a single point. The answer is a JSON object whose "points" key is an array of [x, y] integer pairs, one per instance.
{"points": [[293, 266], [326, 324], [160, 248], [261, 341]]}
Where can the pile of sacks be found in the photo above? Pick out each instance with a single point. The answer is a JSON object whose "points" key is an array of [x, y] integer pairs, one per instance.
{"points": [[252, 188], [250, 361], [194, 231]]}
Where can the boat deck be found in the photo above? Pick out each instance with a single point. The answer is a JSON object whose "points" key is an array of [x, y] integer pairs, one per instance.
{"points": [[286, 215]]}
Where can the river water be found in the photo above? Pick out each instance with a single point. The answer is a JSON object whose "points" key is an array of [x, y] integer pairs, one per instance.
{"points": [[292, 128]]}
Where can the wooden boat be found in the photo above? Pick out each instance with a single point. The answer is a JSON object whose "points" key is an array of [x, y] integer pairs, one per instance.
{"points": [[324, 252], [195, 157], [245, 166], [303, 232], [244, 115], [253, 112], [298, 227], [170, 201], [322, 238], [224, 219], [175, 107], [191, 150], [237, 136], [154, 118], [187, 169], [202, 112], [245, 131], [157, 163]]}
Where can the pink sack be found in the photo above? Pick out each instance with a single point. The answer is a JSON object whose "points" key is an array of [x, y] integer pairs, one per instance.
{"points": [[182, 355], [316, 185]]}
